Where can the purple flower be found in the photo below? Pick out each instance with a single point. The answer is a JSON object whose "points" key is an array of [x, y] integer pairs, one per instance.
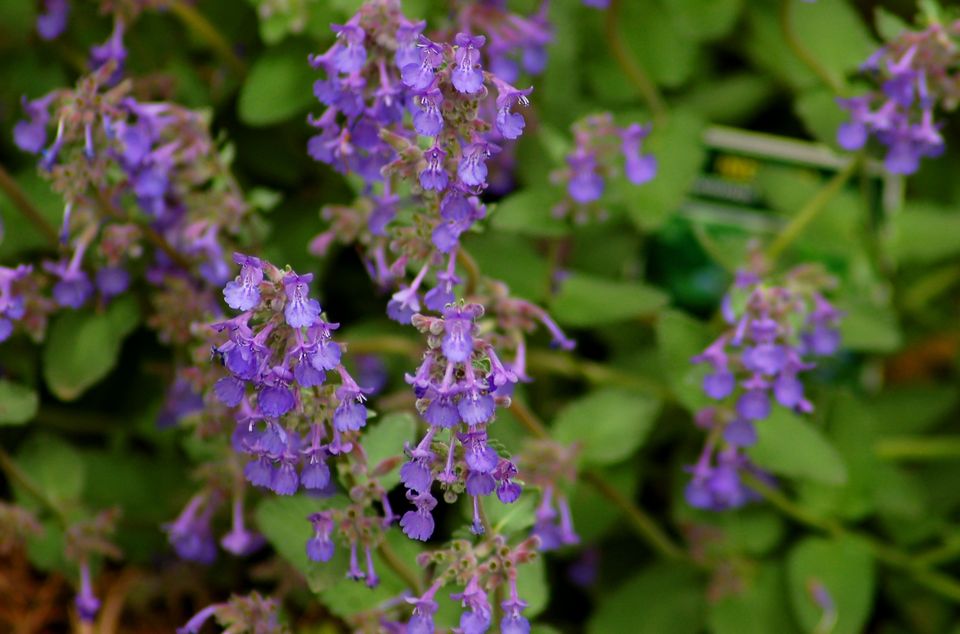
{"points": [[243, 292], [467, 75], [585, 185], [53, 21], [112, 281], [434, 176], [111, 50], [419, 75], [418, 524], [190, 534], [472, 169], [509, 123], [229, 391], [74, 287], [195, 624], [300, 311], [240, 541], [320, 547], [640, 168], [350, 414], [86, 601], [421, 622], [350, 54], [476, 408], [513, 622], [427, 119], [753, 405]]}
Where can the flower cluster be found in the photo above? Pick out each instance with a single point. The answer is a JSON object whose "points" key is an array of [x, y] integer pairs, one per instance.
{"points": [[457, 387], [277, 353], [416, 120], [774, 332], [598, 145], [191, 533], [480, 569], [112, 153], [916, 77]]}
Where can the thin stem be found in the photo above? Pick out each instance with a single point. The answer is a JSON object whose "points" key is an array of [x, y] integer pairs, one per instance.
{"points": [[629, 64], [398, 566], [811, 62], [200, 25], [18, 475], [473, 271], [890, 555], [27, 208], [810, 211], [643, 525], [920, 449]]}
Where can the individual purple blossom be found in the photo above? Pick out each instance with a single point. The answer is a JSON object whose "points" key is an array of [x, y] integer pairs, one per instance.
{"points": [[112, 50], [243, 293], [428, 119], [112, 281], [513, 621], [424, 607], [30, 135], [472, 169], [418, 524], [320, 547], [510, 124], [586, 184], [640, 168], [350, 53], [53, 21], [467, 74], [300, 310], [420, 75], [74, 287], [12, 305], [240, 541], [408, 35], [434, 176], [86, 602], [478, 615], [190, 534], [196, 622]]}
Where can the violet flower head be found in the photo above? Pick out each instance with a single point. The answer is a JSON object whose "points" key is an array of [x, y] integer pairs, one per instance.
{"points": [[86, 602], [12, 303], [112, 50], [30, 135]]}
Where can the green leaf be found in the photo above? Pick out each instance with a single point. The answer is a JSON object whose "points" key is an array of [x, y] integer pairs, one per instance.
{"points": [[609, 425], [278, 85], [704, 20], [591, 511], [925, 233], [679, 150], [852, 430], [662, 598], [845, 568], [533, 587], [585, 300], [511, 259], [679, 338], [530, 212], [760, 607], [385, 439], [889, 25], [82, 347], [869, 327], [55, 467], [17, 234], [18, 403], [790, 446], [667, 51]]}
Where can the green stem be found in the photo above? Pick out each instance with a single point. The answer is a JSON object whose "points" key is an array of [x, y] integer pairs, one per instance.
{"points": [[920, 449], [629, 64], [205, 29], [810, 211], [643, 525], [473, 271], [790, 35], [19, 476], [893, 557], [27, 208], [398, 566]]}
